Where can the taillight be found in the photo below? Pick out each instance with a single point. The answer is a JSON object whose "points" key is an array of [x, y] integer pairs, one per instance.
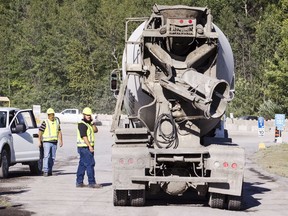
{"points": [[234, 165], [121, 161], [225, 164], [130, 161]]}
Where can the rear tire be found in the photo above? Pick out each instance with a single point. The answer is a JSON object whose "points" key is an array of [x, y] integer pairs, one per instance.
{"points": [[234, 203], [4, 169], [120, 197], [137, 197], [35, 167], [217, 200]]}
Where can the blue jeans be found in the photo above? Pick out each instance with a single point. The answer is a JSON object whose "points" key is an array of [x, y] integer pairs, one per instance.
{"points": [[49, 156], [86, 163]]}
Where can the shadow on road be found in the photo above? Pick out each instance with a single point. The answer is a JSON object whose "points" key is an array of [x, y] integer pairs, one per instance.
{"points": [[7, 208], [190, 197], [62, 172], [106, 184], [251, 189], [15, 174], [10, 191]]}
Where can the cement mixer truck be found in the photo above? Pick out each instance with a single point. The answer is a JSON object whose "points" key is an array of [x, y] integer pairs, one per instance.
{"points": [[177, 79]]}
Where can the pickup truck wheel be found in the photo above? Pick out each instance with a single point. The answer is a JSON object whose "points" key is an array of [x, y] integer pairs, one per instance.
{"points": [[120, 197], [35, 167], [4, 169]]}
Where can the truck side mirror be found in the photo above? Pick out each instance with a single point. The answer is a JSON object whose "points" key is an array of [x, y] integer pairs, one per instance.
{"points": [[114, 81], [20, 128]]}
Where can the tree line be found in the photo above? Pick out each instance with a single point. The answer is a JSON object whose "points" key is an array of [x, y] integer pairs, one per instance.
{"points": [[60, 53]]}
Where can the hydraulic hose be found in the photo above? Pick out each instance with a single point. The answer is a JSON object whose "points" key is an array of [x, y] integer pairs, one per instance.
{"points": [[168, 140]]}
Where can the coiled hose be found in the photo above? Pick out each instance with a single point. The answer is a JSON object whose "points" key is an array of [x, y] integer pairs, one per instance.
{"points": [[169, 140]]}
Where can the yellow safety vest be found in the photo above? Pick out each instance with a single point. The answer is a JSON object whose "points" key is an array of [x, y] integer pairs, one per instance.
{"points": [[90, 136], [51, 131]]}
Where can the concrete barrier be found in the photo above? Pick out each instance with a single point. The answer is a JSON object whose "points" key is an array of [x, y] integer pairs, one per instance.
{"points": [[230, 124], [250, 125], [105, 119]]}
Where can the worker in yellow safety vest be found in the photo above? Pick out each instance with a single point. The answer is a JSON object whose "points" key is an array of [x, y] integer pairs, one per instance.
{"points": [[49, 136], [85, 148]]}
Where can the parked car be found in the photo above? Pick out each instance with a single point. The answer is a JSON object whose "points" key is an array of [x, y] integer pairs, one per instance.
{"points": [[248, 117]]}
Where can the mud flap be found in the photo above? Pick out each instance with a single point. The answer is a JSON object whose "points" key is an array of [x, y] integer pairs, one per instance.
{"points": [[227, 161]]}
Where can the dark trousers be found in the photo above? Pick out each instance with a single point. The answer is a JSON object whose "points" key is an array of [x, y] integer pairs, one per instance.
{"points": [[86, 163]]}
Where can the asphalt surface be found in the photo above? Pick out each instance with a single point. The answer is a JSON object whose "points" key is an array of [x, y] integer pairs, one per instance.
{"points": [[264, 194]]}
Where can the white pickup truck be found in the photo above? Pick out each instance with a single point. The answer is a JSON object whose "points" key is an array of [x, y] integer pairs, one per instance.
{"points": [[74, 116], [69, 116], [18, 140], [70, 111]]}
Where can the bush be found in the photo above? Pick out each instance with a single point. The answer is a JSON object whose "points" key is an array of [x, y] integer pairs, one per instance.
{"points": [[268, 109]]}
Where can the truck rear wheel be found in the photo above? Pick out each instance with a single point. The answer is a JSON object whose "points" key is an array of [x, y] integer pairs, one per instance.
{"points": [[120, 197], [137, 197], [217, 200], [234, 203], [4, 169]]}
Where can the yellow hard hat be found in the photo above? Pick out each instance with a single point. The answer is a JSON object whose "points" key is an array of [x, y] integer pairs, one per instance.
{"points": [[87, 111], [50, 111]]}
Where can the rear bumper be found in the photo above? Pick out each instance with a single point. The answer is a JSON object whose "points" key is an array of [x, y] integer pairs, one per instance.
{"points": [[194, 180]]}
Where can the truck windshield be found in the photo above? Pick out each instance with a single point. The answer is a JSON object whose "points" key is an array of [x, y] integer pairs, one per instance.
{"points": [[3, 118]]}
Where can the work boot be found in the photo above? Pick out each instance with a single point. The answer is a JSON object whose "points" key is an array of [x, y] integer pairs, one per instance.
{"points": [[80, 185], [45, 174], [95, 186]]}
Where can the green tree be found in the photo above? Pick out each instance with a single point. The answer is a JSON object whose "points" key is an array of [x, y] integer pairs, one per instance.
{"points": [[273, 52], [245, 102], [60, 53]]}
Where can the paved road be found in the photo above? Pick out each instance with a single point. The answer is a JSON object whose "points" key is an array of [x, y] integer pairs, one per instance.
{"points": [[264, 194]]}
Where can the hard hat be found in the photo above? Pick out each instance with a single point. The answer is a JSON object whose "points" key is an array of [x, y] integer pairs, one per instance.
{"points": [[87, 111], [50, 111]]}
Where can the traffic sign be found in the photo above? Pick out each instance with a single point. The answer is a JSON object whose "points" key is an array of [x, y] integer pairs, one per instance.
{"points": [[261, 129], [280, 121]]}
